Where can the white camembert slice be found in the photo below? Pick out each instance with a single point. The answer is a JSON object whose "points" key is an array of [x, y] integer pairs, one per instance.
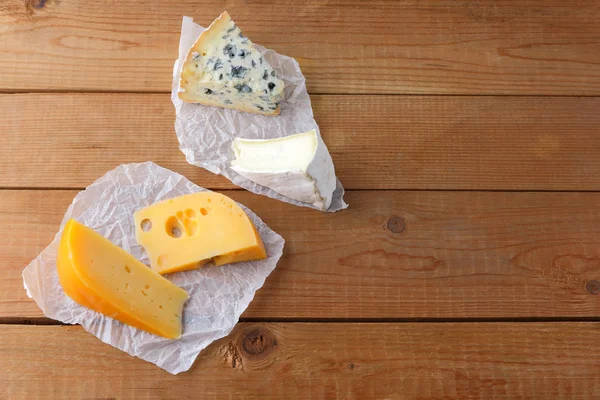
{"points": [[298, 166]]}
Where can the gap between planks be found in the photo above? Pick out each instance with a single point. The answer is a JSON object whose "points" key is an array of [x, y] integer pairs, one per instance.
{"points": [[49, 321], [239, 189], [126, 92]]}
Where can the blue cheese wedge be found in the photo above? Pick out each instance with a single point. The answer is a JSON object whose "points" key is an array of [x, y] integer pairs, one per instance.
{"points": [[224, 69], [298, 166]]}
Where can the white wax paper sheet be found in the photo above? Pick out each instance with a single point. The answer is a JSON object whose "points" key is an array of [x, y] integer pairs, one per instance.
{"points": [[206, 133], [218, 295]]}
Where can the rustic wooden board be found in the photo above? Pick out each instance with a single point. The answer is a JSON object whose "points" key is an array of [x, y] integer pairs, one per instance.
{"points": [[377, 142], [403, 254], [443, 255], [354, 46], [317, 361]]}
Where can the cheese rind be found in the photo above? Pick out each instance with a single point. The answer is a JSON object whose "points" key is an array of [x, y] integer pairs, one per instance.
{"points": [[224, 69], [297, 166], [103, 277], [189, 231]]}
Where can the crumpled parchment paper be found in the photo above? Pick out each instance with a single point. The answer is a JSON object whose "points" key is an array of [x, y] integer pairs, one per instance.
{"points": [[206, 133], [218, 295]]}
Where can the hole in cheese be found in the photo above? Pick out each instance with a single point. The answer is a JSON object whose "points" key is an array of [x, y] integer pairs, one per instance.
{"points": [[203, 211], [189, 213], [146, 225], [127, 269], [173, 226], [191, 226]]}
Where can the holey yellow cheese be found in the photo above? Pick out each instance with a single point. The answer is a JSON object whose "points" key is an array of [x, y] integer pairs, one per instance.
{"points": [[189, 231], [100, 275]]}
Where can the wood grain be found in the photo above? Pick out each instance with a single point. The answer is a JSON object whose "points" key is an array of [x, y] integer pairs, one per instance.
{"points": [[392, 254], [317, 361], [351, 46], [377, 142]]}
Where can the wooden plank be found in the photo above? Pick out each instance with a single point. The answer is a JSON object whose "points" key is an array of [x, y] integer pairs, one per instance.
{"points": [[392, 254], [353, 46], [317, 361], [377, 142]]}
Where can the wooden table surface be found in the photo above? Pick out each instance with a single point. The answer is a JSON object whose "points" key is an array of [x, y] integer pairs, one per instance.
{"points": [[467, 135]]}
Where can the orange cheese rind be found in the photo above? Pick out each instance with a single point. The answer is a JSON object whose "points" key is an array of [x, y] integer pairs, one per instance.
{"points": [[99, 275]]}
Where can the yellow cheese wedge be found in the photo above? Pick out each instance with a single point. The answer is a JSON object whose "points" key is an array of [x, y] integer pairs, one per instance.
{"points": [[189, 231], [100, 275]]}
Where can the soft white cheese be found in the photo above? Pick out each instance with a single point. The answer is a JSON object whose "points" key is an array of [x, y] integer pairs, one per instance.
{"points": [[298, 166]]}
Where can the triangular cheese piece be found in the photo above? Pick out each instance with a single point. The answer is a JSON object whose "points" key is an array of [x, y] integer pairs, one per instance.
{"points": [[101, 276], [224, 69], [297, 166], [189, 231]]}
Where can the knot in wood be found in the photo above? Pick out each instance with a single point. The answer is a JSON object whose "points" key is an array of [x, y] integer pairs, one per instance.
{"points": [[396, 224], [258, 342], [593, 287]]}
